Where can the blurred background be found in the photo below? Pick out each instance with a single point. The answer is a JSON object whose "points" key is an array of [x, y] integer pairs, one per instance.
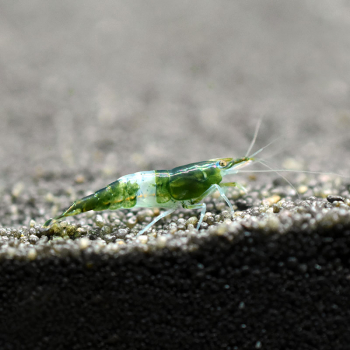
{"points": [[106, 88]]}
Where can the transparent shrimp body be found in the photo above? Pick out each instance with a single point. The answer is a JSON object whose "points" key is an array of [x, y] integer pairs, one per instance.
{"points": [[185, 186]]}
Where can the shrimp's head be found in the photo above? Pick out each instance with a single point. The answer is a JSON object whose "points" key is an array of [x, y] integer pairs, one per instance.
{"points": [[230, 166]]}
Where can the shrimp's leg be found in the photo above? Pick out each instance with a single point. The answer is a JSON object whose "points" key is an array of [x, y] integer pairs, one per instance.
{"points": [[223, 195], [209, 191], [233, 184], [221, 188], [197, 206], [168, 212]]}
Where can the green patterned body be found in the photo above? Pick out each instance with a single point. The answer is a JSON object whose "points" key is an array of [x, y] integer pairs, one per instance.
{"points": [[119, 194], [186, 183], [157, 188]]}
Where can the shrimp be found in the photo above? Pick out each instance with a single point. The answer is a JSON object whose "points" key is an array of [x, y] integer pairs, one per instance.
{"points": [[184, 186]]}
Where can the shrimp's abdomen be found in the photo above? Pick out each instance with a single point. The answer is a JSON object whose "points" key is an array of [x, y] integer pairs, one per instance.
{"points": [[120, 194]]}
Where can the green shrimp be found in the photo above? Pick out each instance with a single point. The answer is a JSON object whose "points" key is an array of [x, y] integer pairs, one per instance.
{"points": [[185, 186]]}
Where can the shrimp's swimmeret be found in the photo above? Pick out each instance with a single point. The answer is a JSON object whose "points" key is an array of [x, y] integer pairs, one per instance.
{"points": [[184, 186]]}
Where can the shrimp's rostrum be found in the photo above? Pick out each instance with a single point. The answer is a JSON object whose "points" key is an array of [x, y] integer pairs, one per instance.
{"points": [[184, 186]]}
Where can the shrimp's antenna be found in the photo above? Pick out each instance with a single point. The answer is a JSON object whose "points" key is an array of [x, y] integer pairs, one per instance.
{"points": [[283, 177], [273, 155], [255, 135], [292, 171], [261, 149]]}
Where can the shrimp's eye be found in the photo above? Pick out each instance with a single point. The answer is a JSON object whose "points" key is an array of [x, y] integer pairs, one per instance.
{"points": [[222, 163]]}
